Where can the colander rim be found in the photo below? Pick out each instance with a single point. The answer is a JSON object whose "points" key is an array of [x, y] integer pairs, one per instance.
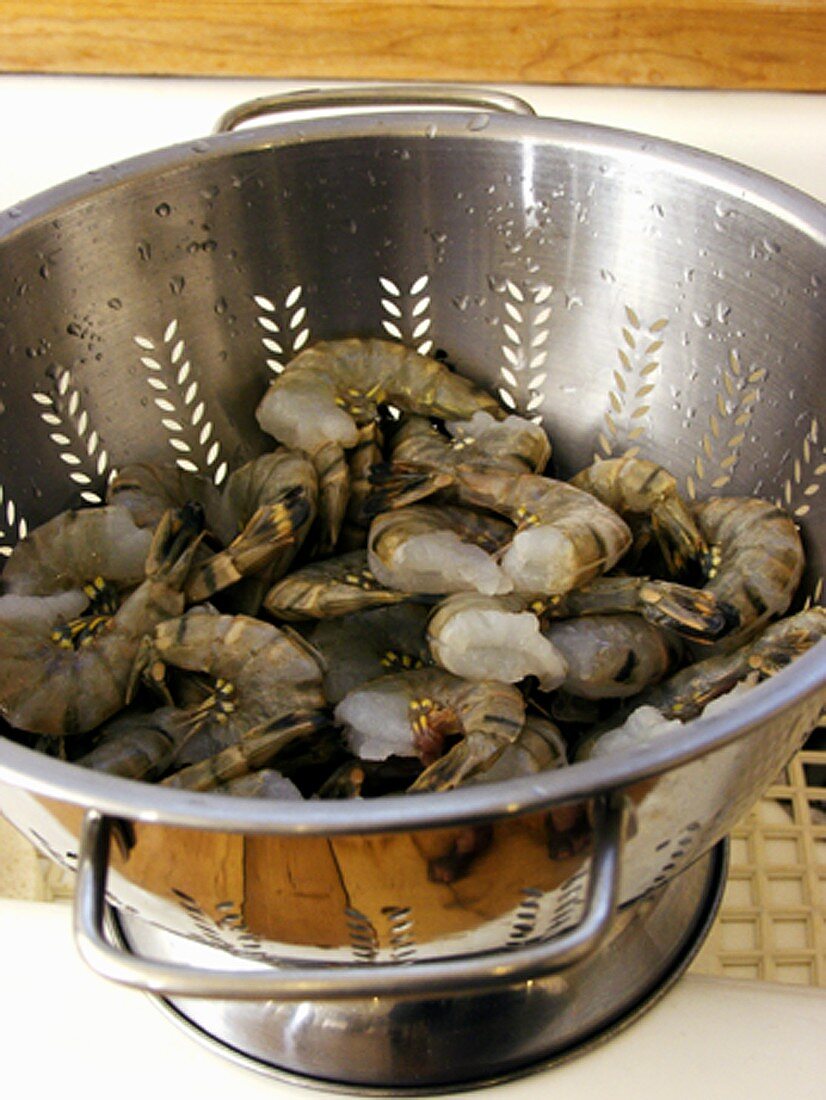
{"points": [[51, 778], [748, 184]]}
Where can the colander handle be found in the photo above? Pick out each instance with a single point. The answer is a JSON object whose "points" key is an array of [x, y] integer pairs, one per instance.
{"points": [[342, 982], [386, 95]]}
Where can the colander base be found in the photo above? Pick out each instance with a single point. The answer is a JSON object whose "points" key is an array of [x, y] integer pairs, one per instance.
{"points": [[386, 1046]]}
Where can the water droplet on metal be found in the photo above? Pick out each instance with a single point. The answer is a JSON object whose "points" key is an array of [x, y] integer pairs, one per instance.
{"points": [[163, 209], [432, 130], [145, 250], [114, 303], [177, 284], [479, 122]]}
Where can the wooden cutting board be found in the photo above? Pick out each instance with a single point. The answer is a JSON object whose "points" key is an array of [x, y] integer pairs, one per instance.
{"points": [[769, 44]]}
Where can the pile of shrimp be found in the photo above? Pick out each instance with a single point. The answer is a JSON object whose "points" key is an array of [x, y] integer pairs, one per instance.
{"points": [[386, 603]]}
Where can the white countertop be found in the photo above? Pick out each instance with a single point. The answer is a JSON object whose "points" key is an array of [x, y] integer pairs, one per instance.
{"points": [[58, 127], [59, 1022], [709, 1038]]}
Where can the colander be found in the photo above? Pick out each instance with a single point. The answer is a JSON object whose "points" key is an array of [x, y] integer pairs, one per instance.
{"points": [[633, 295]]}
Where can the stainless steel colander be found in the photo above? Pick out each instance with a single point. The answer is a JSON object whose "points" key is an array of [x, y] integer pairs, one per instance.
{"points": [[631, 294]]}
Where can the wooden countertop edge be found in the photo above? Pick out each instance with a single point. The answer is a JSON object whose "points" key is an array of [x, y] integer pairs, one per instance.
{"points": [[667, 43]]}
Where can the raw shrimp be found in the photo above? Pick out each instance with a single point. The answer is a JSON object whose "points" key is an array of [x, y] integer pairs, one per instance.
{"points": [[76, 548], [690, 612], [538, 747], [564, 538], [431, 549], [414, 714], [685, 694], [253, 750], [425, 460], [269, 505], [611, 656], [636, 487], [61, 679], [260, 673], [755, 560], [714, 683], [493, 638], [138, 744], [329, 390], [368, 644], [329, 589]]}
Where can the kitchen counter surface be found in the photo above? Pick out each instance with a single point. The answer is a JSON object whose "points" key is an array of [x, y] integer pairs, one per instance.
{"points": [[710, 1038]]}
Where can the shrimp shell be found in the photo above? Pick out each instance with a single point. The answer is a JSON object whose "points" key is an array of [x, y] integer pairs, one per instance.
{"points": [[636, 486], [755, 560], [137, 745], [329, 589]]}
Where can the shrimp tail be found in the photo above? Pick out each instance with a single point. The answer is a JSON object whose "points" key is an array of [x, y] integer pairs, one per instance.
{"points": [[678, 538], [784, 641], [333, 495], [174, 545], [689, 612], [271, 528], [395, 484], [256, 749]]}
